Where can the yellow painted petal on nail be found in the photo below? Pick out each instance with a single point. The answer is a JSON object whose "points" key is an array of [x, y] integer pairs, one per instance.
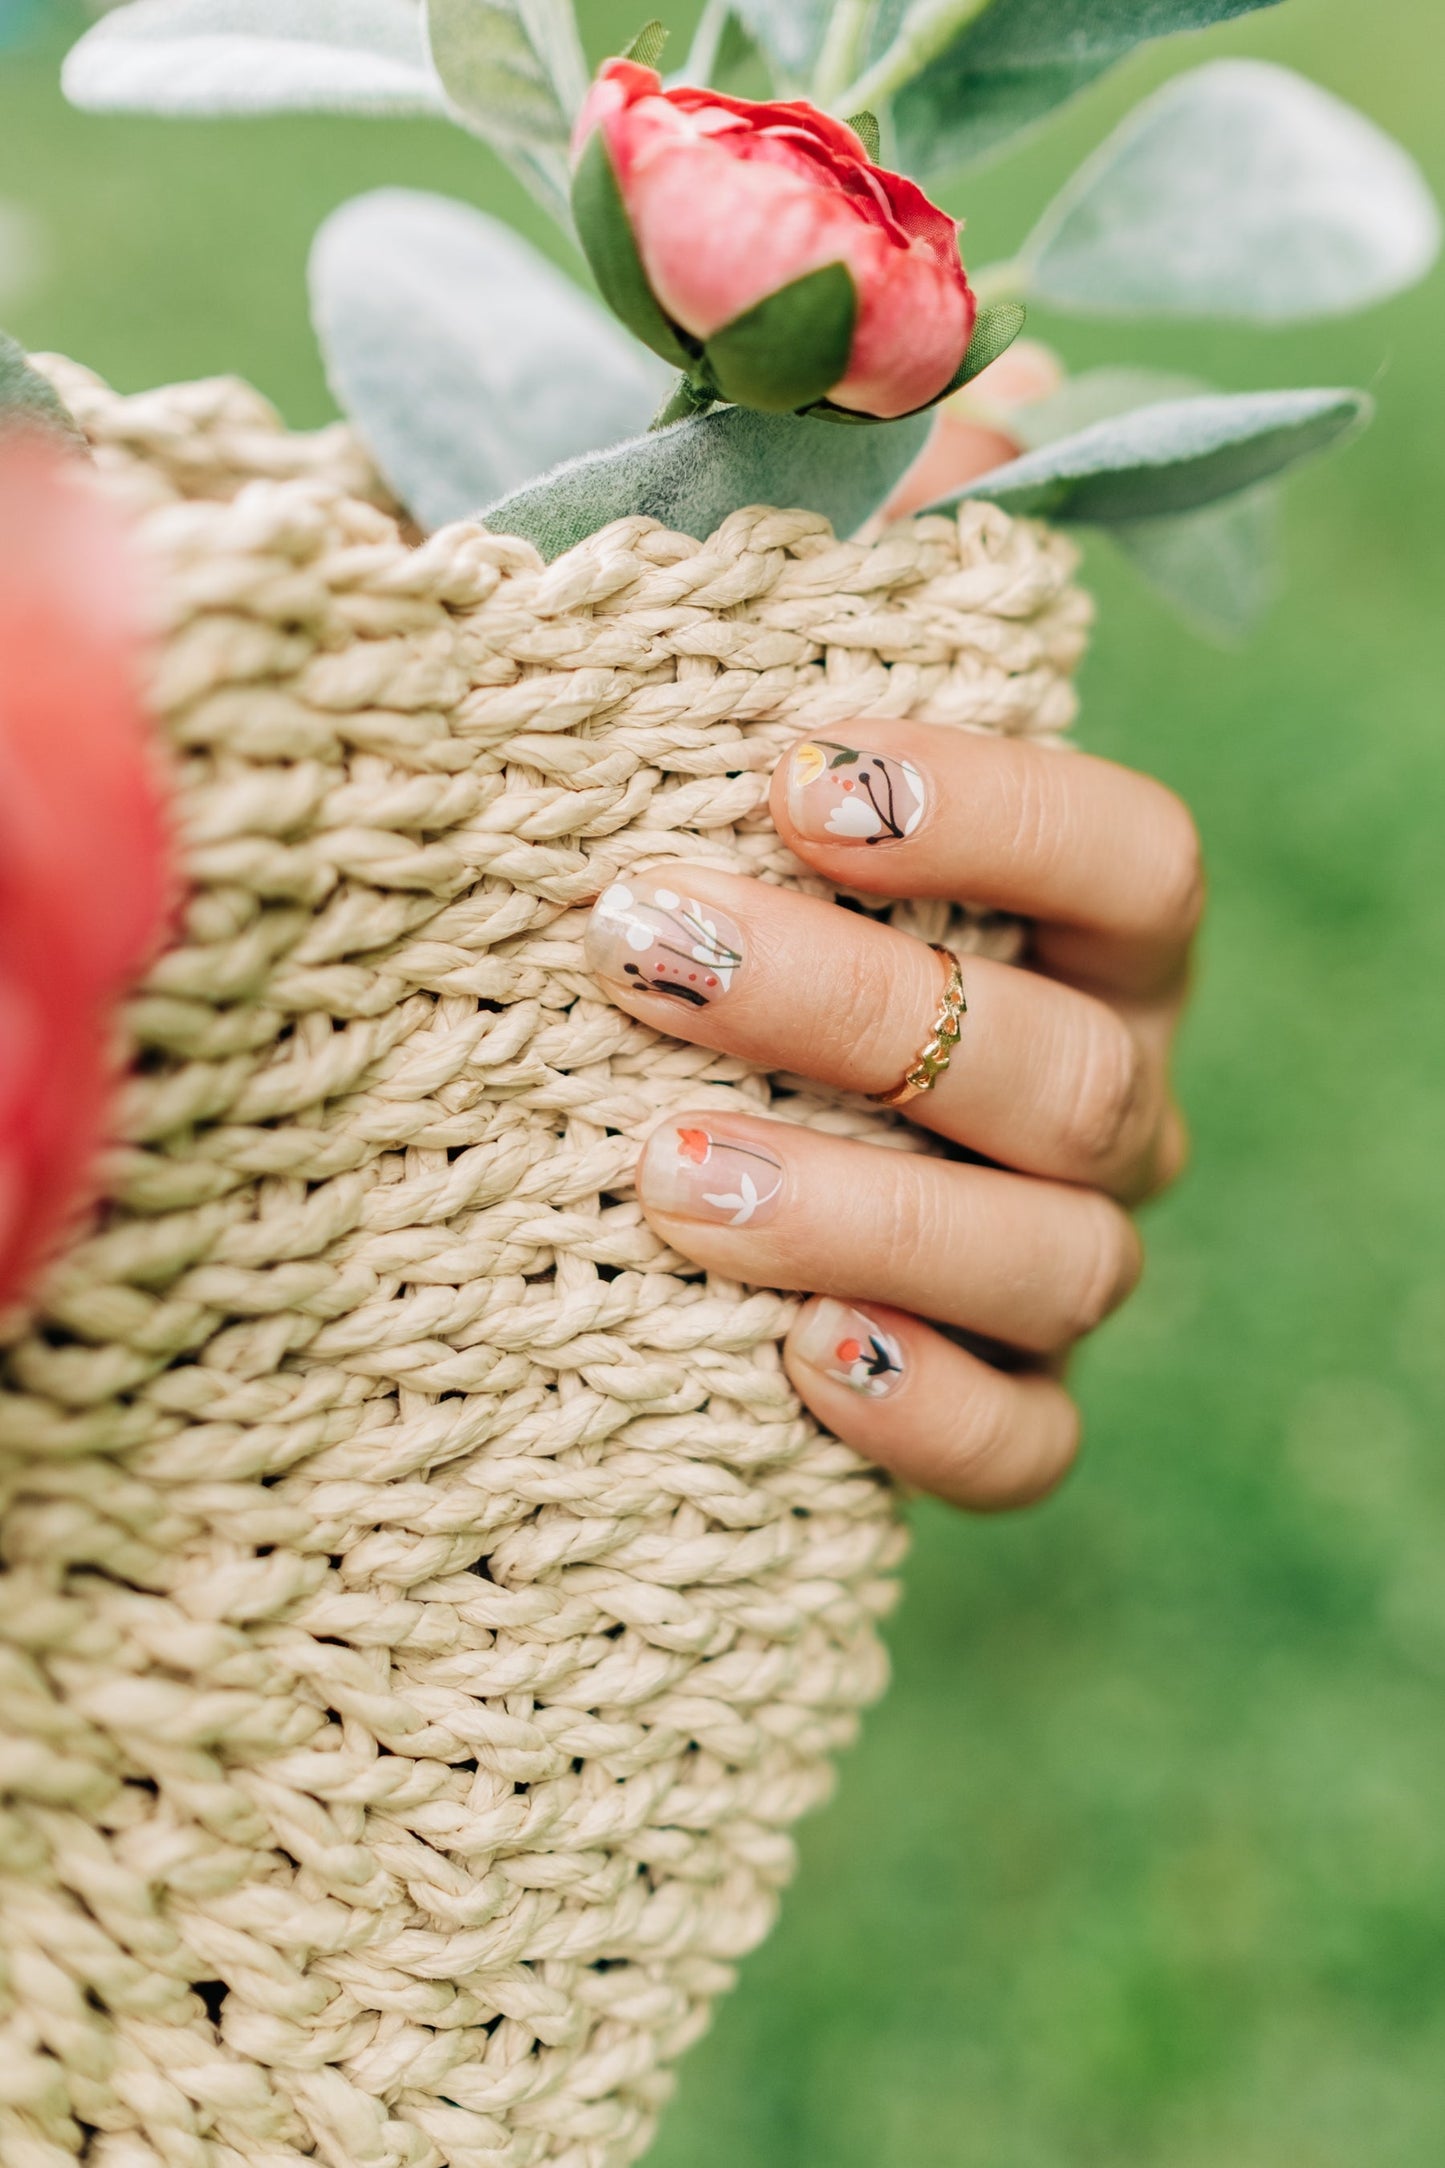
{"points": [[809, 761]]}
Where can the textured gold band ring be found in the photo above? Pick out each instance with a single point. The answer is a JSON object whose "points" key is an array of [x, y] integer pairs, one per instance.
{"points": [[934, 1056]]}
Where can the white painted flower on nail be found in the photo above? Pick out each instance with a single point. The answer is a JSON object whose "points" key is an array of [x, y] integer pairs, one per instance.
{"points": [[615, 902], [854, 816], [741, 1204]]}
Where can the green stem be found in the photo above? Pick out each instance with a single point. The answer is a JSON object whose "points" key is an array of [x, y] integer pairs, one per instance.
{"points": [[701, 62], [927, 31], [842, 50], [682, 402]]}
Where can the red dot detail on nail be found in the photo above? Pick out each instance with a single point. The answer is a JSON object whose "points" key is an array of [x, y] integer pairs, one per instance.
{"points": [[848, 1351]]}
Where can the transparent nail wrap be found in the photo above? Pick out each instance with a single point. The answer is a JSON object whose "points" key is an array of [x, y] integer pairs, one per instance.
{"points": [[650, 937], [698, 1171], [841, 793]]}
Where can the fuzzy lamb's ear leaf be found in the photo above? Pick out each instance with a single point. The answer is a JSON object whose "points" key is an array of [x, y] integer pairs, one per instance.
{"points": [[514, 73], [466, 361], [219, 57], [1219, 568], [1097, 395], [28, 402], [792, 348], [693, 474], [1172, 457], [1237, 190], [963, 78]]}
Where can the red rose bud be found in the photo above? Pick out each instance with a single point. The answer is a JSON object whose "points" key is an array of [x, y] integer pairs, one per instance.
{"points": [[84, 850], [759, 249]]}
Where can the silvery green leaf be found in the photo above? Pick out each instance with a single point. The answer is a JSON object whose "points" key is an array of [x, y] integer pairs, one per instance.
{"points": [[1219, 568], [513, 73], [466, 361], [1096, 395], [506, 67], [1238, 190], [212, 57], [1172, 457], [27, 401], [790, 33], [694, 473], [962, 78]]}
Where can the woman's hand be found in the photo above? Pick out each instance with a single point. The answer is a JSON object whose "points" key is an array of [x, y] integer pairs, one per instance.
{"points": [[1060, 1079]]}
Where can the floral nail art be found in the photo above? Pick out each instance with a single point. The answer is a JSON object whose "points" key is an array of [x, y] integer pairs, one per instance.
{"points": [[701, 1175], [837, 793], [848, 1346], [663, 943]]}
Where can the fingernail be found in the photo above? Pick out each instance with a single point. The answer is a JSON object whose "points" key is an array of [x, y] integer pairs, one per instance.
{"points": [[839, 794], [693, 1170], [662, 941], [849, 1347]]}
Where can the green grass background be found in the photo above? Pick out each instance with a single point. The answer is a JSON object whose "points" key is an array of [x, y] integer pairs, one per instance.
{"points": [[1142, 1864]]}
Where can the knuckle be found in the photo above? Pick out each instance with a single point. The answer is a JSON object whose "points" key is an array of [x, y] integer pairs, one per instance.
{"points": [[1111, 1258], [1110, 1093], [870, 986], [913, 1219]]}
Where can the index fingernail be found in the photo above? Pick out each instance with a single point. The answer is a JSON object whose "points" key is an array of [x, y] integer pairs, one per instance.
{"points": [[841, 793], [656, 940]]}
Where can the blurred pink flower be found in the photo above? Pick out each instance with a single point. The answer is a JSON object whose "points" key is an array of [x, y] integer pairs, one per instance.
{"points": [[729, 201], [84, 845]]}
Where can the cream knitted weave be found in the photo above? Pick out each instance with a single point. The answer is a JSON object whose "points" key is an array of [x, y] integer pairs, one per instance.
{"points": [[425, 1608]]}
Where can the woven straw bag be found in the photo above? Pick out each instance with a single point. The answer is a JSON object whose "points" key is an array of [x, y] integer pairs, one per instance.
{"points": [[425, 1608]]}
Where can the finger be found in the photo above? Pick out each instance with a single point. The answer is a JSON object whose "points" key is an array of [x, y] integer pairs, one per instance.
{"points": [[936, 1416], [1044, 1078], [1034, 1265], [1106, 860]]}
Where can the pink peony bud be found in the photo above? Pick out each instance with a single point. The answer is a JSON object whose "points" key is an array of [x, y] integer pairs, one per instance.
{"points": [[84, 851], [731, 202]]}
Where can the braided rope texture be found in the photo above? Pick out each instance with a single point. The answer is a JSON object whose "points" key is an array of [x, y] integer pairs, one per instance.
{"points": [[425, 1608]]}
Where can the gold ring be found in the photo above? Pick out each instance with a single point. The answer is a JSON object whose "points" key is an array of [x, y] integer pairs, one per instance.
{"points": [[947, 1028]]}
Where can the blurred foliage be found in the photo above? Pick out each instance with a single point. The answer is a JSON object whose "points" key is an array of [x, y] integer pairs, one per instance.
{"points": [[1141, 1865]]}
